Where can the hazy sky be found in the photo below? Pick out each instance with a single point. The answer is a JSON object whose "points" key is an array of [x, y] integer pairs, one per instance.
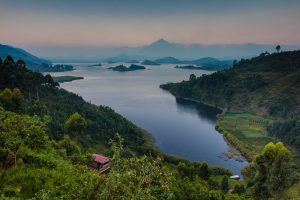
{"points": [[79, 23]]}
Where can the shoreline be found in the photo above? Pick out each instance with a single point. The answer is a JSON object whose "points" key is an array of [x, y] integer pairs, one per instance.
{"points": [[228, 137]]}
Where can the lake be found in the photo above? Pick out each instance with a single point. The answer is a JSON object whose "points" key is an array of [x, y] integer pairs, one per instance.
{"points": [[179, 128]]}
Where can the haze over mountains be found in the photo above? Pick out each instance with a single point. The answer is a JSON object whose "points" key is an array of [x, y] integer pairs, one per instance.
{"points": [[18, 53], [158, 49]]}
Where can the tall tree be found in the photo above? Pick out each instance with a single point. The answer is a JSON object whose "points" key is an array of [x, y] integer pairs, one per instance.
{"points": [[192, 77], [278, 47], [274, 170], [75, 125], [204, 171], [224, 183]]}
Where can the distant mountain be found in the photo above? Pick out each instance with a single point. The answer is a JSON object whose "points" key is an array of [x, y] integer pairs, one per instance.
{"points": [[156, 50], [207, 63], [164, 52], [213, 64], [32, 62], [132, 61], [162, 48], [124, 58], [149, 62], [206, 60], [167, 60]]}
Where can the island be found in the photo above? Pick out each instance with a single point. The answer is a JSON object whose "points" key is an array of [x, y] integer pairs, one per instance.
{"points": [[149, 62], [58, 67], [95, 65], [122, 68], [62, 79], [188, 67]]}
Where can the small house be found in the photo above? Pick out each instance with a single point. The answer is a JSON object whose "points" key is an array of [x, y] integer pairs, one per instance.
{"points": [[230, 191], [101, 163]]}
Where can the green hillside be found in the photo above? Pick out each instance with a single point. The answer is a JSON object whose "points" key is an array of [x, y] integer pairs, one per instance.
{"points": [[44, 98], [267, 85], [48, 136]]}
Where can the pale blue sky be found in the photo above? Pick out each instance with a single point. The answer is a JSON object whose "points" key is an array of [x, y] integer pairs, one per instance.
{"points": [[82, 23]]}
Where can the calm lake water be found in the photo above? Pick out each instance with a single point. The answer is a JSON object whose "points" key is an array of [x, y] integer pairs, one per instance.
{"points": [[180, 128]]}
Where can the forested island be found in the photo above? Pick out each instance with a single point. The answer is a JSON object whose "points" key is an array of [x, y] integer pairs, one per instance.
{"points": [[188, 67], [62, 79], [58, 67], [206, 63], [132, 67], [96, 65]]}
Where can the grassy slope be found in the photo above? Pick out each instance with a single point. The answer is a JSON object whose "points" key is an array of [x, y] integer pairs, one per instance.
{"points": [[248, 128]]}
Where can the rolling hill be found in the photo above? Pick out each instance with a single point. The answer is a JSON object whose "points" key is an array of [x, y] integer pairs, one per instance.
{"points": [[32, 62]]}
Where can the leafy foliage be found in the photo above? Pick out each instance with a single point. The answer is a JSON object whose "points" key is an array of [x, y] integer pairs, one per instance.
{"points": [[44, 169], [287, 130], [274, 170]]}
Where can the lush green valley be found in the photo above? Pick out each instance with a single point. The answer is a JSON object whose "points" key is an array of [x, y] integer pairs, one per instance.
{"points": [[48, 135]]}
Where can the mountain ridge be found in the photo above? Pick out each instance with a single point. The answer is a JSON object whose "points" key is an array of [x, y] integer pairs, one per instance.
{"points": [[34, 62], [163, 48]]}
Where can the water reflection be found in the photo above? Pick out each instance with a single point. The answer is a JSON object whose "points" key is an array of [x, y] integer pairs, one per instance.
{"points": [[203, 111]]}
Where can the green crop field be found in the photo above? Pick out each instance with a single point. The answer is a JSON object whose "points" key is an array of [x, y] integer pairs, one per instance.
{"points": [[248, 128]]}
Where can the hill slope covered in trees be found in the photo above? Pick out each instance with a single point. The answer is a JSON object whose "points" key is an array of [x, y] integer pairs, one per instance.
{"points": [[267, 85], [44, 98]]}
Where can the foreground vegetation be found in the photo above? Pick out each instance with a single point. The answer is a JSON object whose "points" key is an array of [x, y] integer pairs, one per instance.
{"points": [[48, 135]]}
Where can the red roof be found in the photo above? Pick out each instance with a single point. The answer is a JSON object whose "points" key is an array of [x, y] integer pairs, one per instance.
{"points": [[231, 190], [100, 159]]}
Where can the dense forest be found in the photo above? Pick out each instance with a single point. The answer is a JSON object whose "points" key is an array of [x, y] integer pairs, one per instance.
{"points": [[268, 84], [44, 99], [48, 135]]}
